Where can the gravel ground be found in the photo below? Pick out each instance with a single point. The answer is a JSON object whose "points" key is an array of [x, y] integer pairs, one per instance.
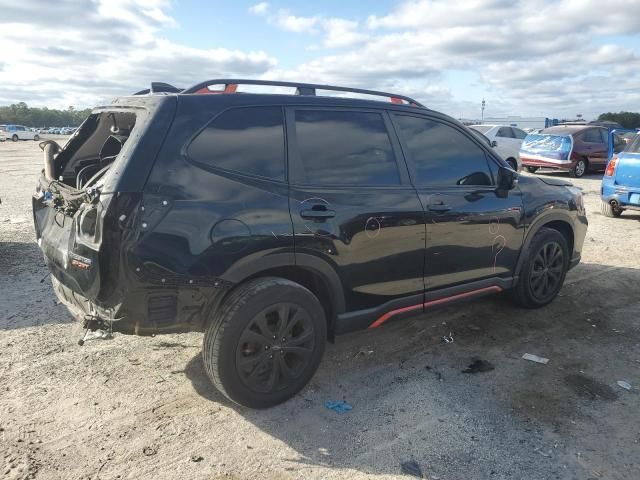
{"points": [[135, 407]]}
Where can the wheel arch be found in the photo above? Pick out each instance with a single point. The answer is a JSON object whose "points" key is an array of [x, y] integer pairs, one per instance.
{"points": [[307, 270], [556, 221]]}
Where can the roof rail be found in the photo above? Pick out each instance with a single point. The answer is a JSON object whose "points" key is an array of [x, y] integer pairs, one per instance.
{"points": [[231, 85], [159, 87]]}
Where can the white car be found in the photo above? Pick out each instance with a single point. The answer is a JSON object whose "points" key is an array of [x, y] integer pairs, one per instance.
{"points": [[505, 140], [17, 132]]}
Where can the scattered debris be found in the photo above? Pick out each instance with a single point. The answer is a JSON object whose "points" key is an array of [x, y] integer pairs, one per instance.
{"points": [[535, 358], [411, 468], [196, 458], [623, 384], [544, 454], [478, 366], [339, 407], [448, 338], [362, 353], [149, 451], [475, 328]]}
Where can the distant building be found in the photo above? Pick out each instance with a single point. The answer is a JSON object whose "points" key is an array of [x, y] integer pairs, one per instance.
{"points": [[522, 122]]}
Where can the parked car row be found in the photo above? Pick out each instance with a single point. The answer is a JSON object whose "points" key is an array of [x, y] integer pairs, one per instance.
{"points": [[20, 132], [58, 130]]}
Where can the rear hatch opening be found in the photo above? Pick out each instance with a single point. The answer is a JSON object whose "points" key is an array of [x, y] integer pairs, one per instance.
{"points": [[73, 195]]}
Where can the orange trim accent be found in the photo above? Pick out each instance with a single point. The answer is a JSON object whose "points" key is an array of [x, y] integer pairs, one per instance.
{"points": [[388, 315], [231, 88], [396, 100]]}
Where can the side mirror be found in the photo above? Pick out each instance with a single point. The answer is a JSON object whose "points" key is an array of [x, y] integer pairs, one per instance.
{"points": [[494, 143], [507, 180]]}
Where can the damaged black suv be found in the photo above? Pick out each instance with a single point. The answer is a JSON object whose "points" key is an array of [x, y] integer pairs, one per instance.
{"points": [[274, 221]]}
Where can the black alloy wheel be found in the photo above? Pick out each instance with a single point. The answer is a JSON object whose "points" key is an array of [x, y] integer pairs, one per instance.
{"points": [[275, 348], [547, 271]]}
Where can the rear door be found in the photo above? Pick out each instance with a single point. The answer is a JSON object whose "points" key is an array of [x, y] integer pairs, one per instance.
{"points": [[596, 146], [472, 232], [352, 203]]}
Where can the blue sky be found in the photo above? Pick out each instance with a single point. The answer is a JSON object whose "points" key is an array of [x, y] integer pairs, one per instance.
{"points": [[552, 58]]}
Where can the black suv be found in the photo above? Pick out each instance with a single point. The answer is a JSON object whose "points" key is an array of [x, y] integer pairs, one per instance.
{"points": [[273, 222]]}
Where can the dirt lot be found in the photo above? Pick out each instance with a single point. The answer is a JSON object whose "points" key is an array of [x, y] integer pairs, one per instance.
{"points": [[143, 408]]}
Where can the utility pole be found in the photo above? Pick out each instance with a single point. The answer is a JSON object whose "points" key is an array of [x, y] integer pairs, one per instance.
{"points": [[484, 104]]}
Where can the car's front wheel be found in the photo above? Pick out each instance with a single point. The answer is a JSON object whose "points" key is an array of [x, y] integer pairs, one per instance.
{"points": [[544, 269], [36, 138], [265, 342], [14, 137]]}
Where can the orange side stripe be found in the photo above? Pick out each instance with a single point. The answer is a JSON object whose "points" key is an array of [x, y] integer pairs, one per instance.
{"points": [[438, 301]]}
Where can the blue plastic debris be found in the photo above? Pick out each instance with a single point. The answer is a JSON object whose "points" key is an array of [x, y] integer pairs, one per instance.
{"points": [[339, 407]]}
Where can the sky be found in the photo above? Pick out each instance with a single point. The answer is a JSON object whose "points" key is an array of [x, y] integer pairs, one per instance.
{"points": [[553, 58]]}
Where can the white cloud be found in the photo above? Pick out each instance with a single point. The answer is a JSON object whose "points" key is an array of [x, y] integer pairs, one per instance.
{"points": [[525, 57], [259, 8], [291, 23], [103, 49]]}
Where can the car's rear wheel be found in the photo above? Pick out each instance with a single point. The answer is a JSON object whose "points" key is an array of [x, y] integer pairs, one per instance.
{"points": [[544, 269], [14, 137], [265, 342], [532, 169], [579, 169], [609, 210], [36, 138]]}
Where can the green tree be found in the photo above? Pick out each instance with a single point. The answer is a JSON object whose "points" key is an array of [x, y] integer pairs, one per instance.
{"points": [[21, 114], [626, 119]]}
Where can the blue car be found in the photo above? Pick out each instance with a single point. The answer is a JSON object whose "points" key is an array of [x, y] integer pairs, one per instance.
{"points": [[620, 189]]}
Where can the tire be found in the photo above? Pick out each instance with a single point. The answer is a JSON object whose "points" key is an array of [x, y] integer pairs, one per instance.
{"points": [[532, 169], [542, 267], [579, 169], [513, 164], [36, 138], [14, 137], [257, 370], [609, 210]]}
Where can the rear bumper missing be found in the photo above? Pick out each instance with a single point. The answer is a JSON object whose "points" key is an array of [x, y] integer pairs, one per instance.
{"points": [[146, 311]]}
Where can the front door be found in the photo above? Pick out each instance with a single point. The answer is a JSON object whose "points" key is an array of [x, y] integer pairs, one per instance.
{"points": [[473, 233], [352, 204]]}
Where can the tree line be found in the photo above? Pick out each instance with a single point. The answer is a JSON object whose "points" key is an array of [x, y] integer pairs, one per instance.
{"points": [[22, 114], [626, 119]]}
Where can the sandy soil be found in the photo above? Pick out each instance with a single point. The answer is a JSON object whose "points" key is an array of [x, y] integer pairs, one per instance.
{"points": [[143, 407]]}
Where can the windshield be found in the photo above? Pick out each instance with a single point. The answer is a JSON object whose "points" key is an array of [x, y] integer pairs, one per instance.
{"points": [[481, 128], [634, 145]]}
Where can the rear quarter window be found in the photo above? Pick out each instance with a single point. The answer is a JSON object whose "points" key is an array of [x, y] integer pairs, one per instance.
{"points": [[247, 140]]}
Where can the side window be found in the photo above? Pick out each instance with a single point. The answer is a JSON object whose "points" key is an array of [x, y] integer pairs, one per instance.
{"points": [[520, 134], [345, 148], [442, 155], [592, 136], [604, 136], [247, 140], [505, 132]]}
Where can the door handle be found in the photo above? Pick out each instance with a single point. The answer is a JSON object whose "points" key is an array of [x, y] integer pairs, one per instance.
{"points": [[439, 207], [318, 213]]}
